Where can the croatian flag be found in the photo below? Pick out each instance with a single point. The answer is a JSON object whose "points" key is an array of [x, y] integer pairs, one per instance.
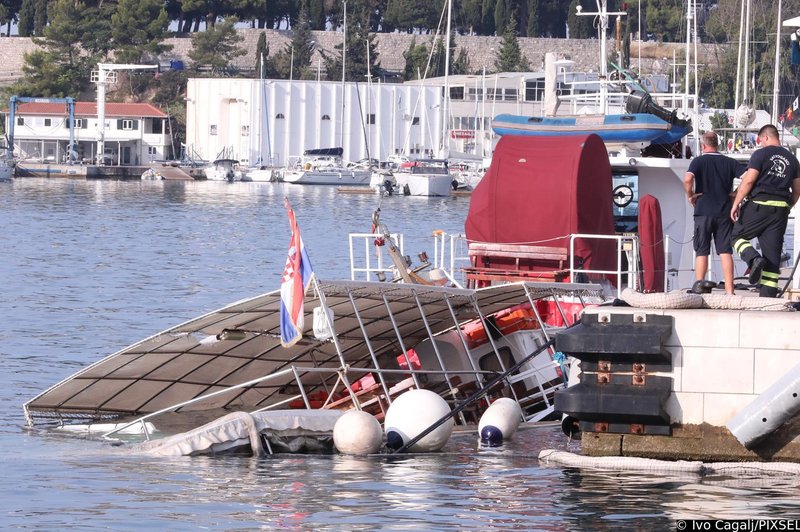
{"points": [[297, 275]]}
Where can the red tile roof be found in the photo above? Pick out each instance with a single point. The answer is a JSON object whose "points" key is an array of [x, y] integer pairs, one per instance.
{"points": [[89, 109]]}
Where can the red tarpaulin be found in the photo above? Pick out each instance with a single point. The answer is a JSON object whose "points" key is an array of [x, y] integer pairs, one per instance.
{"points": [[539, 190]]}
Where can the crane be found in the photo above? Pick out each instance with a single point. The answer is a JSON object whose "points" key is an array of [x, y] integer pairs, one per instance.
{"points": [[107, 73]]}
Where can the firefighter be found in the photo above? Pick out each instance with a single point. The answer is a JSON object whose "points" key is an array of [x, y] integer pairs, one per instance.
{"points": [[769, 189]]}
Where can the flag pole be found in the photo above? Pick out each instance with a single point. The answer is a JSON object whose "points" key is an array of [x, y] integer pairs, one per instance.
{"points": [[329, 322], [343, 370]]}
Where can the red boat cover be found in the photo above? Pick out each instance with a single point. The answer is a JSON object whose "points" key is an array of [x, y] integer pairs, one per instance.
{"points": [[539, 190], [651, 244]]}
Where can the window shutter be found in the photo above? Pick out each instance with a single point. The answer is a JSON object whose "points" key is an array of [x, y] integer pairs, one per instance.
{"points": [[119, 124], [135, 124]]}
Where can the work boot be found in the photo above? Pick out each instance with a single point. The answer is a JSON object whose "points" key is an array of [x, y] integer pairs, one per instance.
{"points": [[755, 270]]}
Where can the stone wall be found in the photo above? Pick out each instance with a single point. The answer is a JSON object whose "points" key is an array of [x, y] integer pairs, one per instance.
{"points": [[391, 46]]}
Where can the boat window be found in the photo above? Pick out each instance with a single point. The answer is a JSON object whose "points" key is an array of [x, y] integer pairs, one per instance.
{"points": [[625, 183], [491, 363], [510, 95]]}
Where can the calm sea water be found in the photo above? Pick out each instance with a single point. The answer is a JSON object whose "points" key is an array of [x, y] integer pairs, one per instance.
{"points": [[90, 267]]}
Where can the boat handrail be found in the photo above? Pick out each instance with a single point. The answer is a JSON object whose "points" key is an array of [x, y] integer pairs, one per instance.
{"points": [[628, 244], [296, 371], [384, 263]]}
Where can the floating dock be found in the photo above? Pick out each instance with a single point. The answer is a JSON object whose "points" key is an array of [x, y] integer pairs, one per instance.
{"points": [[84, 171]]}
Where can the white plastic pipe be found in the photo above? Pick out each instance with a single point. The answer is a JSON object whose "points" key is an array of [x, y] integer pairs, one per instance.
{"points": [[776, 405]]}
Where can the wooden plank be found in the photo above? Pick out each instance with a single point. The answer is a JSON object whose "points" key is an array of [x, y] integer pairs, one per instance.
{"points": [[517, 251]]}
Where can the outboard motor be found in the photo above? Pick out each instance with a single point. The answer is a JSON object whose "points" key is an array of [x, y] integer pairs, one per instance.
{"points": [[641, 102]]}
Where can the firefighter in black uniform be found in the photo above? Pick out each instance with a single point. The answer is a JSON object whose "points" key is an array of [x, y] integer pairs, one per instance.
{"points": [[769, 189]]}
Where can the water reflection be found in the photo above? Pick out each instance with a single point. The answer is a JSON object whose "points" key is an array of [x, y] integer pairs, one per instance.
{"points": [[91, 267]]}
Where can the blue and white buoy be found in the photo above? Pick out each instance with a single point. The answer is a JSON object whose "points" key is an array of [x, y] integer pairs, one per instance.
{"points": [[413, 412], [499, 422]]}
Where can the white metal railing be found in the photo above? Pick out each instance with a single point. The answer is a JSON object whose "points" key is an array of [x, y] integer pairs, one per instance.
{"points": [[628, 244], [450, 252], [375, 258], [451, 255]]}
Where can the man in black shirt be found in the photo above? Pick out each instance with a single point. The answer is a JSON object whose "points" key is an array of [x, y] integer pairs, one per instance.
{"points": [[708, 184], [769, 189]]}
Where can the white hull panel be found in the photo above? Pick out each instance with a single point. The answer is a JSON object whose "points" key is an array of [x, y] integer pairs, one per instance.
{"points": [[328, 177], [429, 185]]}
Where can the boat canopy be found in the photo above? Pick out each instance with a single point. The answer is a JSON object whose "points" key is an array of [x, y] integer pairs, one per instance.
{"points": [[540, 190], [240, 343]]}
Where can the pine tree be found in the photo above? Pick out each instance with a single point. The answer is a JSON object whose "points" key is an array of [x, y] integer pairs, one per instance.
{"points": [[217, 47], [358, 40], [26, 16], [262, 54], [416, 58], [316, 15], [487, 17], [500, 14], [40, 18], [532, 29], [509, 57], [139, 27]]}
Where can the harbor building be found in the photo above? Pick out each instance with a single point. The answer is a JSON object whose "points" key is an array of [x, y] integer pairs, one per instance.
{"points": [[135, 133], [270, 121]]}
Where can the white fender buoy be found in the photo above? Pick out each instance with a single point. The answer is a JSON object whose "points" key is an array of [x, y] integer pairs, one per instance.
{"points": [[357, 432], [413, 412], [499, 422]]}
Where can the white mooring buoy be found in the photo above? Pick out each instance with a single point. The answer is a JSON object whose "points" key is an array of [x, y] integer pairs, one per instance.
{"points": [[357, 432], [499, 422], [413, 412]]}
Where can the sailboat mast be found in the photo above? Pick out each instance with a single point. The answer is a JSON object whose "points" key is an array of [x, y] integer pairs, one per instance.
{"points": [[776, 89], [344, 57], [445, 110]]}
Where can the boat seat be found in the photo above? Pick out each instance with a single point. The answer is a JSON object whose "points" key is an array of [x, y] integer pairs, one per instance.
{"points": [[516, 262]]}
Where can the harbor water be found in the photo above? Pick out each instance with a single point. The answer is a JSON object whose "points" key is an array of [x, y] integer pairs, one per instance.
{"points": [[89, 267]]}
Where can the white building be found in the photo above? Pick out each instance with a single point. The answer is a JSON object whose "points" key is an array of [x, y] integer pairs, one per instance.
{"points": [[135, 133], [263, 122]]}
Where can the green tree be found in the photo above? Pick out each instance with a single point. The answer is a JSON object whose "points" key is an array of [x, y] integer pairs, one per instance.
{"points": [[295, 59], [500, 14], [532, 28], [26, 15], [580, 27], [359, 40], [467, 16], [487, 17], [71, 46], [216, 48], [40, 17], [416, 60], [509, 57], [139, 28], [461, 65], [665, 20], [262, 54], [408, 15], [316, 14]]}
